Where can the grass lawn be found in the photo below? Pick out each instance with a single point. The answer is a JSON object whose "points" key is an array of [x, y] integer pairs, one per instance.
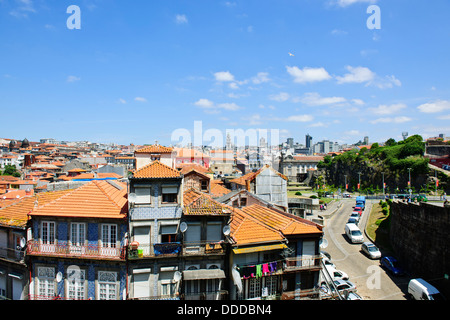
{"points": [[378, 227]]}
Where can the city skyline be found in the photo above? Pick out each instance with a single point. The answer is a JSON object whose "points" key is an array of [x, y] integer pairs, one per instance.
{"points": [[135, 74]]}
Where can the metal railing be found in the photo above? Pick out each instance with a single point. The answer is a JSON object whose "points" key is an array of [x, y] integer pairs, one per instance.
{"points": [[35, 247], [303, 263], [176, 249]]}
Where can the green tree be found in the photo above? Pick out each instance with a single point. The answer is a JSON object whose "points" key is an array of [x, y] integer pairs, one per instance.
{"points": [[11, 170]]}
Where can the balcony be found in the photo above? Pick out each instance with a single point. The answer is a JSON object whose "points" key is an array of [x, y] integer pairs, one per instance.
{"points": [[300, 263], [36, 248], [176, 248], [305, 294]]}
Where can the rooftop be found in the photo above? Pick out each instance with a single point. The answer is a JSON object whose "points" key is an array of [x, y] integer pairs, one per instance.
{"points": [[156, 169]]}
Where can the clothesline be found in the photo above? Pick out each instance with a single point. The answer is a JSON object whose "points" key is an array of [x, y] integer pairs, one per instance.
{"points": [[258, 270]]}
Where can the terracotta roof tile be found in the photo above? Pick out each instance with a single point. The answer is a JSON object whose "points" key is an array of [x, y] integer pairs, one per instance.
{"points": [[96, 199], [16, 214], [155, 149], [199, 203], [286, 223], [156, 169], [218, 190]]}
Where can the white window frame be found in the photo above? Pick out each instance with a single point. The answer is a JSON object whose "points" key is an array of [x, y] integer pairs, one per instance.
{"points": [[49, 236], [109, 285], [46, 286], [77, 238], [110, 236], [76, 284]]}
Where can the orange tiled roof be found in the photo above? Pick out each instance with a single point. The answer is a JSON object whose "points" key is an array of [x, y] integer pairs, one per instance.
{"points": [[154, 149], [246, 230], [252, 175], [96, 199], [156, 169], [16, 214], [199, 203], [217, 189], [187, 167], [100, 175], [286, 223]]}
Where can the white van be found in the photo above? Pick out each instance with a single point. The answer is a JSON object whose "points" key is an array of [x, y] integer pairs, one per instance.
{"points": [[419, 289], [353, 233]]}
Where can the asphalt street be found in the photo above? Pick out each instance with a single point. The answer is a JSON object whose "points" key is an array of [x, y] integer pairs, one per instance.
{"points": [[372, 281]]}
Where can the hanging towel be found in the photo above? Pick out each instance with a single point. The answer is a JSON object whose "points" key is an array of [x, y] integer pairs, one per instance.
{"points": [[265, 268], [273, 266], [258, 271]]}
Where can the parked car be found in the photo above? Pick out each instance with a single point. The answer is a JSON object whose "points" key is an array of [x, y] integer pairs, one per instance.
{"points": [[371, 250], [353, 220], [326, 254], [328, 262], [419, 289], [337, 274], [355, 215], [354, 296], [342, 285], [392, 265]]}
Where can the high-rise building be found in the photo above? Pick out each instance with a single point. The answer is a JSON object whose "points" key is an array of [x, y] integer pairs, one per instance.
{"points": [[308, 141]]}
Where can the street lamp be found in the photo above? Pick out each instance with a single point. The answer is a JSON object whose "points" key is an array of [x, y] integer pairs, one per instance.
{"points": [[409, 182]]}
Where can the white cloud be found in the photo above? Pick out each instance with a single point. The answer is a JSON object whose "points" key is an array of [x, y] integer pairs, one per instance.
{"points": [[181, 19], [224, 76], [24, 7], [204, 103], [392, 120], [73, 78], [140, 99], [352, 133], [307, 74], [300, 118], [337, 32], [261, 77], [318, 125], [358, 102], [253, 120], [365, 75], [346, 3], [388, 109], [123, 101], [446, 117], [356, 75], [282, 96], [314, 99], [434, 107], [210, 106]]}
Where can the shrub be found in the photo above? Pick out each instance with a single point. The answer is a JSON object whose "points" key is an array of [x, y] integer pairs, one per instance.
{"points": [[298, 193]]}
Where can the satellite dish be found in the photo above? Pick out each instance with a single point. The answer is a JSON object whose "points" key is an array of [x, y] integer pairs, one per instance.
{"points": [[226, 230], [323, 243], [183, 227], [132, 197], [177, 276], [23, 242], [59, 276]]}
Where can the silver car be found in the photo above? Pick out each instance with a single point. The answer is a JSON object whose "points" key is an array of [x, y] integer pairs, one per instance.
{"points": [[371, 250]]}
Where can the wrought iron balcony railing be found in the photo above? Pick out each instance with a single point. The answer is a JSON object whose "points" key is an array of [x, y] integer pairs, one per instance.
{"points": [[35, 247], [176, 249], [302, 263]]}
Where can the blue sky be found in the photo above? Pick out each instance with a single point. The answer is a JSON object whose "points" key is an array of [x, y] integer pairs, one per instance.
{"points": [[138, 70]]}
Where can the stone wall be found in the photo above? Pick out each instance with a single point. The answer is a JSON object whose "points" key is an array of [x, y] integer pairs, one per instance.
{"points": [[420, 237]]}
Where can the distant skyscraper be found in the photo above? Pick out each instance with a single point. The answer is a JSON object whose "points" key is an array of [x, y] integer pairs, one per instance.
{"points": [[308, 141], [366, 140], [290, 142]]}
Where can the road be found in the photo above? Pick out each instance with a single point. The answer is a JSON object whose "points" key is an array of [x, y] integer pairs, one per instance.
{"points": [[372, 282]]}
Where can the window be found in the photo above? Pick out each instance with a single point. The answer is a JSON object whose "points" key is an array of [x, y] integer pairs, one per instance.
{"points": [[143, 195], [107, 285], [109, 235], [77, 235], [46, 282], [48, 232], [214, 231], [2, 286], [169, 194], [76, 284], [254, 289], [204, 185], [168, 233]]}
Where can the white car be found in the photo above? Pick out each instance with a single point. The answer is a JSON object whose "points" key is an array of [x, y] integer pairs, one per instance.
{"points": [[354, 296], [371, 250], [337, 274], [355, 215], [328, 263]]}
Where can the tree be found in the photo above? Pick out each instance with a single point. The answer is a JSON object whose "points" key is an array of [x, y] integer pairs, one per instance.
{"points": [[10, 170], [390, 142]]}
